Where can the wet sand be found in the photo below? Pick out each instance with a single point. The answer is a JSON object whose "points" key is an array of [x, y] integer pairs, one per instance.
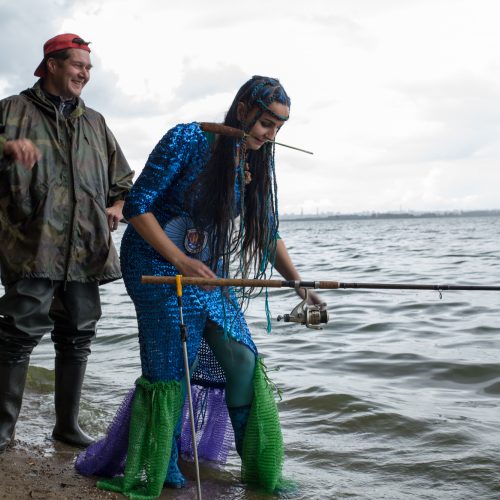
{"points": [[47, 472], [30, 472], [36, 466]]}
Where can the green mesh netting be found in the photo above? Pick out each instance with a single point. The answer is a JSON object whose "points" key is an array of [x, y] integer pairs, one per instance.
{"points": [[155, 411], [262, 457]]}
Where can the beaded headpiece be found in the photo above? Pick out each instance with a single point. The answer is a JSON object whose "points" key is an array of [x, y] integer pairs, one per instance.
{"points": [[265, 91]]}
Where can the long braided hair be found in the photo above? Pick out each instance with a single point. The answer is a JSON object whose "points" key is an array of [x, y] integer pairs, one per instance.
{"points": [[249, 246]]}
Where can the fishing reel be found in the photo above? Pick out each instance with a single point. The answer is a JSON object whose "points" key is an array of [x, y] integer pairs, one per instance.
{"points": [[310, 315]]}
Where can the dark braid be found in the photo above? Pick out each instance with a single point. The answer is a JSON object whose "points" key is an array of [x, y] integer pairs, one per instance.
{"points": [[252, 242]]}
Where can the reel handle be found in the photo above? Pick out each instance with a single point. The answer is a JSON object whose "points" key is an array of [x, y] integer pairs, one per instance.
{"points": [[312, 316]]}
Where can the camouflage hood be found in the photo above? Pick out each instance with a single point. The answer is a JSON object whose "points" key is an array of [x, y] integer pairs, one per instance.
{"points": [[53, 221]]}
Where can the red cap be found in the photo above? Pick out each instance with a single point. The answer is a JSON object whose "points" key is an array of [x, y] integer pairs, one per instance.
{"points": [[60, 42]]}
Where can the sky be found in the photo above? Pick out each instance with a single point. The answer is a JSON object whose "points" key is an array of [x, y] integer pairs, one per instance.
{"points": [[398, 99]]}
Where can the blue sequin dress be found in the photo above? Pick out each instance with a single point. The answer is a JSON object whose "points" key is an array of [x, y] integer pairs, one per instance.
{"points": [[173, 165]]}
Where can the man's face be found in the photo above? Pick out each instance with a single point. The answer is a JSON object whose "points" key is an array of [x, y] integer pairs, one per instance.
{"points": [[67, 78]]}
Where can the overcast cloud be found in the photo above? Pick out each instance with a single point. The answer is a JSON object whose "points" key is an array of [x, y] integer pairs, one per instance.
{"points": [[399, 100]]}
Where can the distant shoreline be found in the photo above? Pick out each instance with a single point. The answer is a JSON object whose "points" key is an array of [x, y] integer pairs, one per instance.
{"points": [[392, 215]]}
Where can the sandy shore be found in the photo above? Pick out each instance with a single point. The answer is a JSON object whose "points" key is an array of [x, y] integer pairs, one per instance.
{"points": [[32, 472], [47, 472], [36, 466]]}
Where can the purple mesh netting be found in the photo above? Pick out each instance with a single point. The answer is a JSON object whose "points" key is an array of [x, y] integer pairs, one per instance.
{"points": [[214, 434], [107, 457]]}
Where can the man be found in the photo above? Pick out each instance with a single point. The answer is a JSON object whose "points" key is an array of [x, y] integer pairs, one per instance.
{"points": [[63, 180]]}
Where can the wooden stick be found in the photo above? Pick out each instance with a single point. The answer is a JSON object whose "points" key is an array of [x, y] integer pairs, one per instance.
{"points": [[170, 280], [292, 147], [218, 128]]}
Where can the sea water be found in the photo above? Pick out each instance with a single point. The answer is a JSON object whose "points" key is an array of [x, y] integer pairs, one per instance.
{"points": [[397, 397]]}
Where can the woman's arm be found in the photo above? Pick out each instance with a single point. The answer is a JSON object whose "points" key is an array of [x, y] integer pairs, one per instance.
{"points": [[148, 227], [284, 265]]}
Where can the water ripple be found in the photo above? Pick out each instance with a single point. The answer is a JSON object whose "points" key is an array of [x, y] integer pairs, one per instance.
{"points": [[398, 397]]}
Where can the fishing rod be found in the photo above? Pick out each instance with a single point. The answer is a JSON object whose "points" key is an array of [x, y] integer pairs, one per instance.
{"points": [[327, 285], [306, 314], [218, 128]]}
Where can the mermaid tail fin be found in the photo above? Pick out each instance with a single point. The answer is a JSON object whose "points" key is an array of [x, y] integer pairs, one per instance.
{"points": [[155, 411], [262, 451]]}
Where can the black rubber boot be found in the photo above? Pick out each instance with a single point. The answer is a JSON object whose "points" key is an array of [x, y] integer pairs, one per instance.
{"points": [[12, 381], [68, 388]]}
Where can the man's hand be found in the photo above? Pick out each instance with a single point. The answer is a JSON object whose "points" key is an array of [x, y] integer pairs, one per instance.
{"points": [[22, 151], [115, 214]]}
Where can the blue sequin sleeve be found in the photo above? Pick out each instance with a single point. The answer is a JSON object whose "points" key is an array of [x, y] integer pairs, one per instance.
{"points": [[167, 159]]}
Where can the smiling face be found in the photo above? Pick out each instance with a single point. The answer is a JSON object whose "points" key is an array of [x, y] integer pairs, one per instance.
{"points": [[267, 125], [66, 78]]}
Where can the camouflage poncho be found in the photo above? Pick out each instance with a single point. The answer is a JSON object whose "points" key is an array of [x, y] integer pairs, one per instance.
{"points": [[53, 222]]}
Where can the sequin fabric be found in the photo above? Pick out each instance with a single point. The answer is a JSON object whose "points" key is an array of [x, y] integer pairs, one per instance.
{"points": [[163, 188]]}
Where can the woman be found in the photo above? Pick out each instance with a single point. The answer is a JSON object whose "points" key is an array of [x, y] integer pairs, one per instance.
{"points": [[203, 206]]}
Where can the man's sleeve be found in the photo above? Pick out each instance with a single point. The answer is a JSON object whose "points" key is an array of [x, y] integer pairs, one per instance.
{"points": [[120, 173], [3, 138]]}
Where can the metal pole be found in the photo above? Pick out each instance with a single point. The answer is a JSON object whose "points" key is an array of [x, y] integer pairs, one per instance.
{"points": [[184, 333]]}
